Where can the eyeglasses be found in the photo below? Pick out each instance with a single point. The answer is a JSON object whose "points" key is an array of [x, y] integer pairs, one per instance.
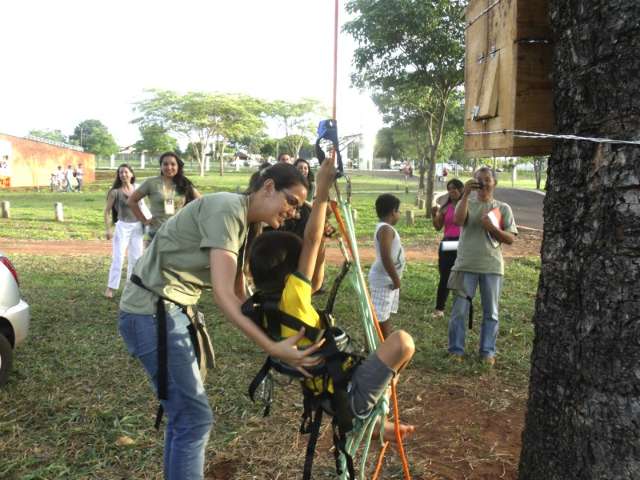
{"points": [[291, 200]]}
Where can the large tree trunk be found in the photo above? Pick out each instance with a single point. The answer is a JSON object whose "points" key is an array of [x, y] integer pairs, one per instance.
{"points": [[583, 418]]}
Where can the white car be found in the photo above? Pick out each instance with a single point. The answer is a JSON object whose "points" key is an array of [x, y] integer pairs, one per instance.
{"points": [[15, 316]]}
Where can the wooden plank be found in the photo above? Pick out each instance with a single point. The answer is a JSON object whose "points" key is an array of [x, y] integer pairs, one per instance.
{"points": [[489, 91]]}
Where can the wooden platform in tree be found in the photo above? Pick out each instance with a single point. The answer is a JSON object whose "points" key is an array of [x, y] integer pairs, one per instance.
{"points": [[507, 77]]}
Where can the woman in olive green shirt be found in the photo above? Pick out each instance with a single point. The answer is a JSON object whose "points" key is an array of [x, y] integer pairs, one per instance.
{"points": [[200, 248], [167, 193]]}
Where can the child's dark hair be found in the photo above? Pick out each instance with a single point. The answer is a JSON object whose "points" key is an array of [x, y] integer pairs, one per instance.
{"points": [[284, 175], [274, 255], [182, 183], [386, 204]]}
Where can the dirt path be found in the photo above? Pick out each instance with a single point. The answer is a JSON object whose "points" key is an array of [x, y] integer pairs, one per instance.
{"points": [[528, 244]]}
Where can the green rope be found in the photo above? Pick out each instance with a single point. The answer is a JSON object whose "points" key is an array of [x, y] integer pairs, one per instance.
{"points": [[363, 429]]}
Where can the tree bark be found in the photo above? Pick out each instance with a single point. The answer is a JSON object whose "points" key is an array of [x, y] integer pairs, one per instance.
{"points": [[583, 416]]}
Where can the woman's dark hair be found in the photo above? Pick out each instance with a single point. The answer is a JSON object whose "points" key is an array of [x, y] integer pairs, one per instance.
{"points": [[457, 184], [284, 175], [273, 256], [386, 204], [310, 177], [182, 183], [117, 183]]}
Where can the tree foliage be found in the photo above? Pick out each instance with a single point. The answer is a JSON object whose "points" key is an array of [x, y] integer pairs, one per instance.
{"points": [[207, 120], [410, 55], [298, 121], [388, 144], [155, 140], [53, 135], [94, 137]]}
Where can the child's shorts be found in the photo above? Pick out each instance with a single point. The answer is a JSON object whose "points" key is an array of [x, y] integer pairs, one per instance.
{"points": [[368, 384], [385, 301]]}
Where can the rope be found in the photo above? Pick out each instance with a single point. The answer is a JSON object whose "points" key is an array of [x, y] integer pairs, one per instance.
{"points": [[369, 317], [529, 134], [373, 335]]}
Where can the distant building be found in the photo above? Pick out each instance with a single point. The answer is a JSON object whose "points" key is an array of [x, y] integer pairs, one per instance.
{"points": [[30, 161]]}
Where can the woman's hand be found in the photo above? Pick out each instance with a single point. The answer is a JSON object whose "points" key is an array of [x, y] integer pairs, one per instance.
{"points": [[109, 234], [487, 223], [325, 176], [471, 185], [287, 351]]}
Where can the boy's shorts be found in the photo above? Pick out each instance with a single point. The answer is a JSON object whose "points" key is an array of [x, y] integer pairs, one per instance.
{"points": [[385, 301], [368, 384]]}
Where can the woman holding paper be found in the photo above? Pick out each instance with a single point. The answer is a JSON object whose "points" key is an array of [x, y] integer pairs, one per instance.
{"points": [[486, 224], [447, 253]]}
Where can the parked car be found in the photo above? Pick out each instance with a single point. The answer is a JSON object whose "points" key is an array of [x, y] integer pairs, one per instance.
{"points": [[15, 316]]}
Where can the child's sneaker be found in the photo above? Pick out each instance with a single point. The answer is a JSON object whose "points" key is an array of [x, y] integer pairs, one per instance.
{"points": [[437, 314]]}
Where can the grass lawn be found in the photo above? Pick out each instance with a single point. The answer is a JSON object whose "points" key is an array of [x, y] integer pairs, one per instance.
{"points": [[75, 397], [32, 213]]}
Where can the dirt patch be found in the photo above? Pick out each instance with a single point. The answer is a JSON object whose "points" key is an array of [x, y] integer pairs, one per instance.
{"points": [[466, 429], [527, 244], [466, 433]]}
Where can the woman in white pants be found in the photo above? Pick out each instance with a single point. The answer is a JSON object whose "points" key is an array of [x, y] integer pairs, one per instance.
{"points": [[128, 229]]}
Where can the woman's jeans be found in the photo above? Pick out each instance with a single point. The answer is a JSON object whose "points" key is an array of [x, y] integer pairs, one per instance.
{"points": [[490, 286], [189, 417]]}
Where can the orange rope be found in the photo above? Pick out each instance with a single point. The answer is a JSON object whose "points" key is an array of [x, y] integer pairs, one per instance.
{"points": [[394, 396], [343, 231], [335, 58], [378, 469]]}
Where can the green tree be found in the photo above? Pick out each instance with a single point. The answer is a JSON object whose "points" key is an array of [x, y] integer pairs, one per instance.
{"points": [[155, 140], [299, 121], [410, 55], [387, 145], [94, 137], [203, 119], [53, 135]]}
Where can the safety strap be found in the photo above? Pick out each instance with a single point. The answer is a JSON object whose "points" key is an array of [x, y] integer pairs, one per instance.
{"points": [[161, 324], [346, 265], [314, 432], [200, 340]]}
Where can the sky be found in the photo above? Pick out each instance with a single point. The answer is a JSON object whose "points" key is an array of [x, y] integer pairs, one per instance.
{"points": [[64, 61]]}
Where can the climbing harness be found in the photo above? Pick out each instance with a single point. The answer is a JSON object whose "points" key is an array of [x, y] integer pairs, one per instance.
{"points": [[327, 391]]}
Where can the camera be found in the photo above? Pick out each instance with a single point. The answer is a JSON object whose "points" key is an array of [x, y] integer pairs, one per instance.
{"points": [[480, 184]]}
